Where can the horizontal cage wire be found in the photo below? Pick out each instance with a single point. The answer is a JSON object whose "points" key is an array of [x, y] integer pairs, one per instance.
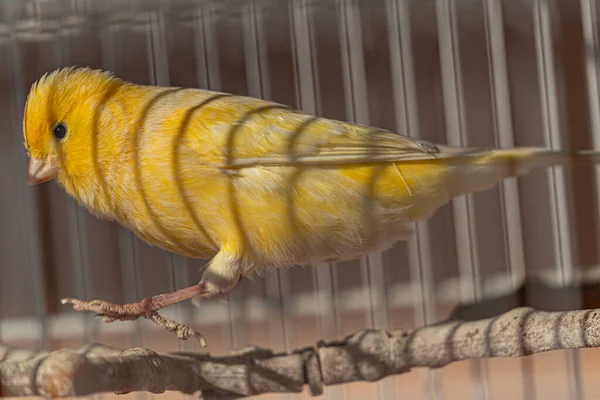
{"points": [[482, 73]]}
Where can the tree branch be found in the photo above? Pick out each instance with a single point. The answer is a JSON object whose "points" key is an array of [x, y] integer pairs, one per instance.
{"points": [[367, 355]]}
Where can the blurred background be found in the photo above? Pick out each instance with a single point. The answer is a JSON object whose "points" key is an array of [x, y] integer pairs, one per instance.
{"points": [[470, 72]]}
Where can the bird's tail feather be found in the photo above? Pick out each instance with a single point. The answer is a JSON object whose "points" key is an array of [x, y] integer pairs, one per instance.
{"points": [[478, 169], [524, 159]]}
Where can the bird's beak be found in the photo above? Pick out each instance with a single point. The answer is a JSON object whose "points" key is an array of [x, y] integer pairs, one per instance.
{"points": [[40, 171]]}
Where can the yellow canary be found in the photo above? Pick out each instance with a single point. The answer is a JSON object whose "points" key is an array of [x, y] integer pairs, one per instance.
{"points": [[248, 183]]}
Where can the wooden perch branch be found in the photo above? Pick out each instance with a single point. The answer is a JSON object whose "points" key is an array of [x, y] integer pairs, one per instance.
{"points": [[367, 355]]}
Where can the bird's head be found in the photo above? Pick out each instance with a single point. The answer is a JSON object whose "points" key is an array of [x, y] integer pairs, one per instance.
{"points": [[60, 117]]}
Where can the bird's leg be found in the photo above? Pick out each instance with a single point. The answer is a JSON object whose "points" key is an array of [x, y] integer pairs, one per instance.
{"points": [[220, 276], [222, 273], [147, 308], [220, 295], [143, 308]]}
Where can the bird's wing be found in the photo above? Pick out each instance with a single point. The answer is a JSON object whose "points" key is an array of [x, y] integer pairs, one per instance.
{"points": [[271, 134]]}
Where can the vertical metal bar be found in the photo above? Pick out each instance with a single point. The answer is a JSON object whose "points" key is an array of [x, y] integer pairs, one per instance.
{"points": [[513, 234], [157, 50], [81, 264], [590, 26], [30, 201], [556, 176], [207, 64], [357, 110], [504, 135], [128, 255], [257, 73], [559, 205], [207, 67], [407, 122], [466, 235], [255, 52], [551, 123], [159, 67], [307, 99], [77, 228], [127, 247], [353, 64], [305, 62]]}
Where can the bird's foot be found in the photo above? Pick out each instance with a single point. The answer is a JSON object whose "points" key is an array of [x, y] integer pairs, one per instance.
{"points": [[182, 331], [110, 311], [147, 308]]}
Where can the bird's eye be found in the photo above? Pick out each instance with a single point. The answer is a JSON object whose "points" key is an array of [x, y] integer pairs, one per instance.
{"points": [[60, 131]]}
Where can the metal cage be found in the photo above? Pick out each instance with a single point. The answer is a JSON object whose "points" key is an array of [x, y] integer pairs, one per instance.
{"points": [[477, 72]]}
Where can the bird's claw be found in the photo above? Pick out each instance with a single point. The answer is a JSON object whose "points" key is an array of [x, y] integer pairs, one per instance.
{"points": [[110, 312], [182, 331]]}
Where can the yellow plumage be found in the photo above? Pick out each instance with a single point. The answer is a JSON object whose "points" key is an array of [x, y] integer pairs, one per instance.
{"points": [[249, 183]]}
